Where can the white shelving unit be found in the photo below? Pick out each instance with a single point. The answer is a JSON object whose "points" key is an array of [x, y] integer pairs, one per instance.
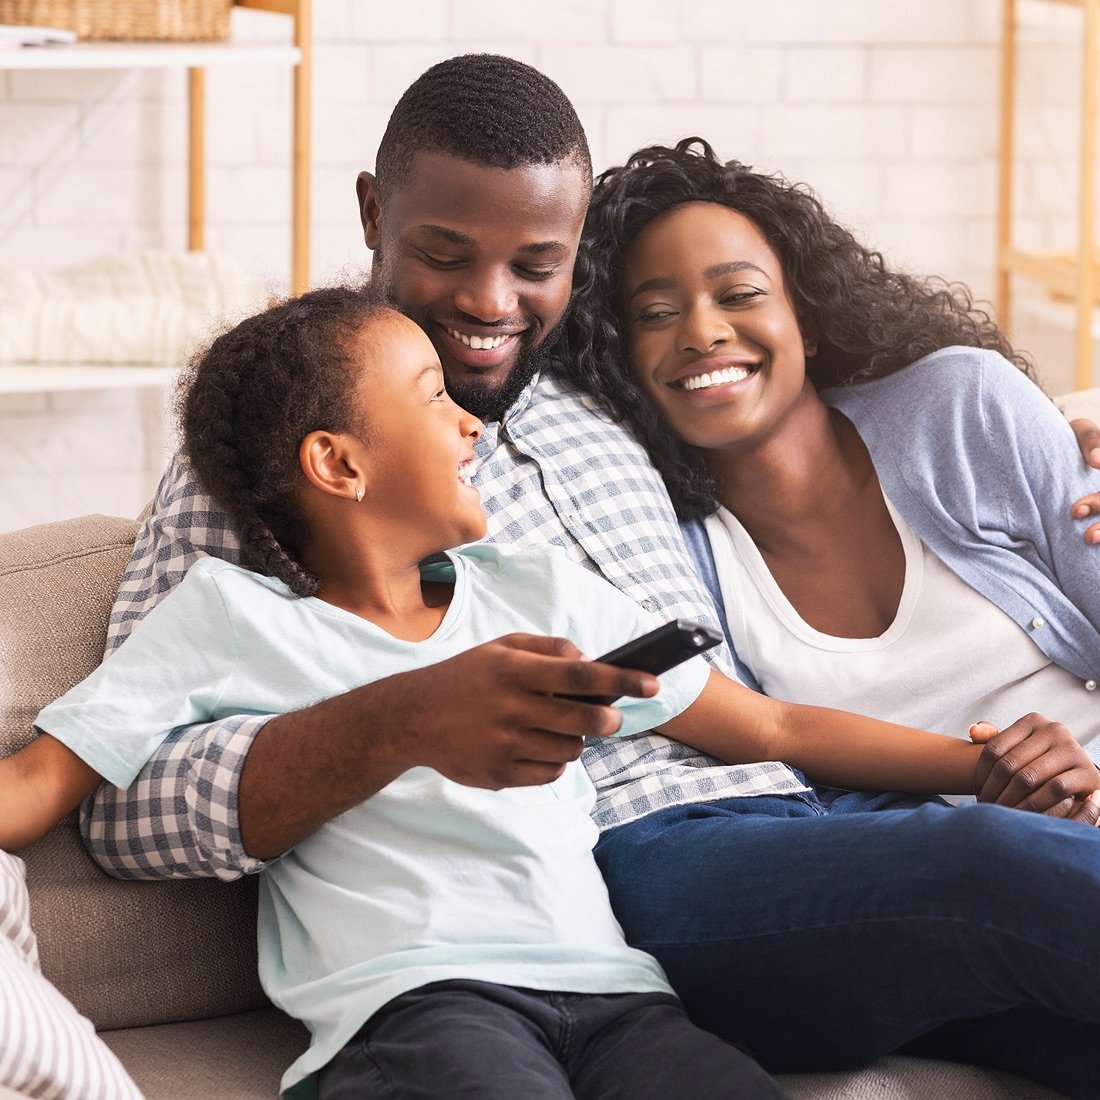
{"points": [[195, 58], [70, 377], [146, 55]]}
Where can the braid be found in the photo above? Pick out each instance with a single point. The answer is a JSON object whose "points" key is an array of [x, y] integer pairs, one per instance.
{"points": [[246, 404]]}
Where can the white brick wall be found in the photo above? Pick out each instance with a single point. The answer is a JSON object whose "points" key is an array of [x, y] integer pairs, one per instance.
{"points": [[888, 110]]}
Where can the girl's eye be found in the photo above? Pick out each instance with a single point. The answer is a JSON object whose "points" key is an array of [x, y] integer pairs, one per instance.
{"points": [[440, 396]]}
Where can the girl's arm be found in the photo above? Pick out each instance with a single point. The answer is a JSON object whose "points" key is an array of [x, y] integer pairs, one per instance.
{"points": [[39, 785], [839, 749]]}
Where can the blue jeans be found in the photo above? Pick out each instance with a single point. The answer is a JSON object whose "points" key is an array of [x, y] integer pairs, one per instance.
{"points": [[496, 1042], [823, 931]]}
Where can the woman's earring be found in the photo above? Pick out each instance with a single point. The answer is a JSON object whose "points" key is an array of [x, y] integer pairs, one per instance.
{"points": [[358, 494]]}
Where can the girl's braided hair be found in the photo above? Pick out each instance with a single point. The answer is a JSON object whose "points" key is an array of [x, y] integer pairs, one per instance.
{"points": [[868, 320], [246, 404]]}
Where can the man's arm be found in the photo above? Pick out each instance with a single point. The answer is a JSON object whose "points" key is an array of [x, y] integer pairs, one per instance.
{"points": [[489, 717], [179, 818], [219, 799]]}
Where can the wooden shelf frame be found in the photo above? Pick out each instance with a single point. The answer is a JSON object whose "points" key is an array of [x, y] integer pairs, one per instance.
{"points": [[195, 58], [1073, 276]]}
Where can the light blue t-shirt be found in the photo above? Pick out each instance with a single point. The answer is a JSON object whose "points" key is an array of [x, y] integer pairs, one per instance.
{"points": [[427, 880]]}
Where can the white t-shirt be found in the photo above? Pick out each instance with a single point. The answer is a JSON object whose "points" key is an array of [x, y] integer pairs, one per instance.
{"points": [[427, 880], [949, 658]]}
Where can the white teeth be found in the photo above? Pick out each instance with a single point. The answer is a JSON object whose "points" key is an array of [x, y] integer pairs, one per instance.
{"points": [[478, 343], [715, 378]]}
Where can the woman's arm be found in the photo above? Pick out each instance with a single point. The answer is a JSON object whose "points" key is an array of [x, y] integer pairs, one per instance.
{"points": [[39, 785], [840, 749]]}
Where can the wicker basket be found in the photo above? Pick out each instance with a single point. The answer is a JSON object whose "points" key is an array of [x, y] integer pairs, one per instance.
{"points": [[125, 20]]}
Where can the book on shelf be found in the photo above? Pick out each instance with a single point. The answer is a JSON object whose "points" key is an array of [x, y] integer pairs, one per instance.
{"points": [[15, 37]]}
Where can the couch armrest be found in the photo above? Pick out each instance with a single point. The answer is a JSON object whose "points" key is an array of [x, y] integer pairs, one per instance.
{"points": [[1080, 403]]}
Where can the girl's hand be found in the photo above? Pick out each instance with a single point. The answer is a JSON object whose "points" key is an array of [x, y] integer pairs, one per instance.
{"points": [[1036, 765]]}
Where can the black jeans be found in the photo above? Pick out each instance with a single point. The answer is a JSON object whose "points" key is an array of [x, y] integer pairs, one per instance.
{"points": [[494, 1042]]}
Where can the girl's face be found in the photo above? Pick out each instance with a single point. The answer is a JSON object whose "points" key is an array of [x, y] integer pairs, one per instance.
{"points": [[713, 336], [419, 444]]}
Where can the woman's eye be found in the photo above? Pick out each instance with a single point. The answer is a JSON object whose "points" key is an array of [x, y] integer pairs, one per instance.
{"points": [[654, 313], [738, 297]]}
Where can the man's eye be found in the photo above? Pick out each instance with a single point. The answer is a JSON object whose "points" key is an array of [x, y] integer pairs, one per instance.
{"points": [[439, 261], [538, 274]]}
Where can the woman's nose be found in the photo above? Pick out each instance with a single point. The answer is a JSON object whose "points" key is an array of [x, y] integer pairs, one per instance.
{"points": [[702, 328]]}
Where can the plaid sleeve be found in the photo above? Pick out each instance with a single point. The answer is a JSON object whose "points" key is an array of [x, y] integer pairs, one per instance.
{"points": [[178, 819], [183, 525]]}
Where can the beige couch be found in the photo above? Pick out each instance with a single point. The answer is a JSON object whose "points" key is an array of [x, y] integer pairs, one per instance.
{"points": [[166, 970]]}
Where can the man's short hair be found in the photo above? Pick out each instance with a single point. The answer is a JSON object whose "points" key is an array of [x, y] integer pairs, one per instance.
{"points": [[485, 108]]}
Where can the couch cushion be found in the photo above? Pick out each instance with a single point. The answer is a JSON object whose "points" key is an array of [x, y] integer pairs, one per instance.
{"points": [[57, 584], [125, 953], [897, 1078], [238, 1057]]}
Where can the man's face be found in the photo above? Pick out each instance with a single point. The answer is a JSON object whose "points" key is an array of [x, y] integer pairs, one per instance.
{"points": [[482, 259]]}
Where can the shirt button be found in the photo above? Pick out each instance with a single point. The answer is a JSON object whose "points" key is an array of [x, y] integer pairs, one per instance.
{"points": [[1037, 623], [569, 519], [1090, 685], [649, 605]]}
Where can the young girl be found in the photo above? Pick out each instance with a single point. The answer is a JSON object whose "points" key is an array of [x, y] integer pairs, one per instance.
{"points": [[885, 494], [436, 928]]}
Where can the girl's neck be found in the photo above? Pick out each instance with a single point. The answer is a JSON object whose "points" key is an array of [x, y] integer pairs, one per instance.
{"points": [[378, 587]]}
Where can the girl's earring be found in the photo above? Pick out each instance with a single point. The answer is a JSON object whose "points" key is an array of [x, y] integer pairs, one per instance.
{"points": [[358, 494]]}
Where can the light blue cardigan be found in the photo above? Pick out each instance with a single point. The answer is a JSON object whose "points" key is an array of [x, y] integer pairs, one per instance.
{"points": [[984, 469]]}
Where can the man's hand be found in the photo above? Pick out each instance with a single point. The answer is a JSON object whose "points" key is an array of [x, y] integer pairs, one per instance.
{"points": [[1088, 439], [1036, 765], [501, 723], [485, 718]]}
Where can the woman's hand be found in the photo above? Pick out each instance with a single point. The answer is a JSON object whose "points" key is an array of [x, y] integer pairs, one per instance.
{"points": [[1035, 764]]}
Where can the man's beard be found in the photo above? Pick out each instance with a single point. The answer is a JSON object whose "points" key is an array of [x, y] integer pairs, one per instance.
{"points": [[490, 403]]}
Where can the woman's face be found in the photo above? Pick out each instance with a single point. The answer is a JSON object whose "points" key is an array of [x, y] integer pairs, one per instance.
{"points": [[713, 337]]}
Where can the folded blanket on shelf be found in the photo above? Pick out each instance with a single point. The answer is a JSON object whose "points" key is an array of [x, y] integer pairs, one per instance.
{"points": [[148, 307]]}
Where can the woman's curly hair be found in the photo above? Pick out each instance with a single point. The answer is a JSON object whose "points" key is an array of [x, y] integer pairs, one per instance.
{"points": [[868, 321], [246, 404]]}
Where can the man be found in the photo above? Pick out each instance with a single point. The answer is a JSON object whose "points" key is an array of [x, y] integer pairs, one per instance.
{"points": [[474, 215]]}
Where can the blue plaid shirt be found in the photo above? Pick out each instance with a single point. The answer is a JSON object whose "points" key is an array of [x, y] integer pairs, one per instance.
{"points": [[554, 470]]}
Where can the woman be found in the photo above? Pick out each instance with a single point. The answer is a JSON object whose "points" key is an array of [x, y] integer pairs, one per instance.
{"points": [[881, 487]]}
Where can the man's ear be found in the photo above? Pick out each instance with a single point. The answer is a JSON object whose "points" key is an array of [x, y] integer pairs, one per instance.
{"points": [[370, 208], [332, 462]]}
